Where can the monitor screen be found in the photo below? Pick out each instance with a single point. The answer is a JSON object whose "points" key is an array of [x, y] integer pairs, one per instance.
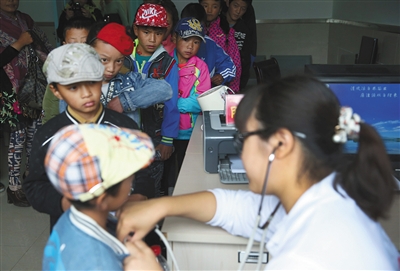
{"points": [[378, 104]]}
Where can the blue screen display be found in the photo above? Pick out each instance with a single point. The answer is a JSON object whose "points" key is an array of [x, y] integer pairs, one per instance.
{"points": [[378, 104]]}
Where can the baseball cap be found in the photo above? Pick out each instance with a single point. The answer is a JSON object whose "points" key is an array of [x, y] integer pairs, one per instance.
{"points": [[151, 15], [115, 34], [84, 160], [190, 27], [72, 63]]}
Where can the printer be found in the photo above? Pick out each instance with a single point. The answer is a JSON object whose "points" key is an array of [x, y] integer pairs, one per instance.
{"points": [[220, 155]]}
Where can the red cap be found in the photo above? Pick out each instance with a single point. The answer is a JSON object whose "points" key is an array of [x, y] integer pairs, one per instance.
{"points": [[156, 249], [115, 34], [151, 15]]}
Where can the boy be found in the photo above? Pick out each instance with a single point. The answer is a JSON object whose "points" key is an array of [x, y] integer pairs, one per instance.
{"points": [[75, 75], [194, 79], [76, 31], [245, 39], [96, 180], [161, 121], [220, 65]]}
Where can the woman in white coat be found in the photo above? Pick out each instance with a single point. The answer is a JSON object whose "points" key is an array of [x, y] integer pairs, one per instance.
{"points": [[325, 210]]}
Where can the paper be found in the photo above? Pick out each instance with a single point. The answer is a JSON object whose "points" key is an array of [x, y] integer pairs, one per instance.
{"points": [[236, 164]]}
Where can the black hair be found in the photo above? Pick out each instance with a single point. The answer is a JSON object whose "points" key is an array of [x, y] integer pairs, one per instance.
{"points": [[170, 8], [111, 191], [304, 105], [248, 2], [223, 22], [78, 23], [94, 30], [194, 10]]}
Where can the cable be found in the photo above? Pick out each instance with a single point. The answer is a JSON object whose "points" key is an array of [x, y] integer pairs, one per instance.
{"points": [[169, 249]]}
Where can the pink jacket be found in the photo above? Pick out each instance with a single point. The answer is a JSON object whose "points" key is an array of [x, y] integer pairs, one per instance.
{"points": [[230, 46], [194, 79]]}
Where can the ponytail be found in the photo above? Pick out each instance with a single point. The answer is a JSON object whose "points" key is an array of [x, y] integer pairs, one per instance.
{"points": [[368, 178]]}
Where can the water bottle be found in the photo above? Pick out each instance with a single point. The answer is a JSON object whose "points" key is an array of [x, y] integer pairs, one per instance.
{"points": [[160, 258]]}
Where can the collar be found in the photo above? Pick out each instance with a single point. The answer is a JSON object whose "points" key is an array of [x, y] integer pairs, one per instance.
{"points": [[91, 228], [81, 120]]}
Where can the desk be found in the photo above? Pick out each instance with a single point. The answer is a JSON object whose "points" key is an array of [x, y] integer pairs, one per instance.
{"points": [[198, 246]]}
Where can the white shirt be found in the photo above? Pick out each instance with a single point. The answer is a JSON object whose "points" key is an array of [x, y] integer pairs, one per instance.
{"points": [[323, 230]]}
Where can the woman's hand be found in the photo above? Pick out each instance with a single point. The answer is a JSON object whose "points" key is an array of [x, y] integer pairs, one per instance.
{"points": [[139, 218], [24, 39], [141, 258]]}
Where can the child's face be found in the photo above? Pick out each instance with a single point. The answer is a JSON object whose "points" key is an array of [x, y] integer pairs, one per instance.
{"points": [[111, 58], [212, 8], [75, 35], [122, 195], [82, 97], [169, 28], [186, 48], [236, 9], [149, 39]]}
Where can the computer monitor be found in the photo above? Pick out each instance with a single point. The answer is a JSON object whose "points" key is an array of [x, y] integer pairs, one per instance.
{"points": [[378, 104]]}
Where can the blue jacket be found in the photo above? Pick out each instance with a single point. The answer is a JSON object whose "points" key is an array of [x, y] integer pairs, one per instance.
{"points": [[161, 120], [217, 60], [135, 92]]}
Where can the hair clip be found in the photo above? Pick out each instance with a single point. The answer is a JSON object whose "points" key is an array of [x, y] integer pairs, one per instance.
{"points": [[348, 127]]}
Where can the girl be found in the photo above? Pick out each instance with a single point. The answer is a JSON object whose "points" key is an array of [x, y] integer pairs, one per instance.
{"points": [[326, 210], [78, 8], [218, 29], [194, 79], [173, 18]]}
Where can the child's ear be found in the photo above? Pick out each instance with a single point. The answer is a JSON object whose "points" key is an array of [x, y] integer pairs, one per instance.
{"points": [[55, 92], [102, 202], [136, 30]]}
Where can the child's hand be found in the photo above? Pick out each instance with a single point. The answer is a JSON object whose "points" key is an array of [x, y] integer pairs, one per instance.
{"points": [[165, 151], [115, 105], [217, 79], [141, 258]]}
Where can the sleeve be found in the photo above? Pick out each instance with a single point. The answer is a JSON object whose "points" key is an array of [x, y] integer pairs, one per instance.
{"points": [[50, 105], [233, 51], [237, 212], [143, 92], [170, 124], [204, 78], [224, 65], [38, 189]]}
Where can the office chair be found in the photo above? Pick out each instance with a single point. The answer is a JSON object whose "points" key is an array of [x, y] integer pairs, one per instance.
{"points": [[368, 51], [292, 64], [267, 71]]}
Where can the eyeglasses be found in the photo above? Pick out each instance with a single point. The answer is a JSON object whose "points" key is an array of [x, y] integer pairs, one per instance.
{"points": [[239, 138]]}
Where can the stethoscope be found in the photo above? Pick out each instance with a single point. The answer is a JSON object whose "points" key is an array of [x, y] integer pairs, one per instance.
{"points": [[256, 226]]}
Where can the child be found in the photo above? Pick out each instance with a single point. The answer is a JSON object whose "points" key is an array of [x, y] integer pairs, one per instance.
{"points": [[172, 18], [78, 9], [161, 121], [95, 180], [243, 35], [218, 29], [220, 65], [75, 31], [75, 75], [194, 79]]}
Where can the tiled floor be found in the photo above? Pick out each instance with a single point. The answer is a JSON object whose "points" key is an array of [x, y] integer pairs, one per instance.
{"points": [[23, 231]]}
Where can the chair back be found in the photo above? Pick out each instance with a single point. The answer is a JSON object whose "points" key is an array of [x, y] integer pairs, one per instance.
{"points": [[267, 71]]}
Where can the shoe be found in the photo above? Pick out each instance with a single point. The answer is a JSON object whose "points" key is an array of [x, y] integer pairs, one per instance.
{"points": [[2, 187], [18, 198]]}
